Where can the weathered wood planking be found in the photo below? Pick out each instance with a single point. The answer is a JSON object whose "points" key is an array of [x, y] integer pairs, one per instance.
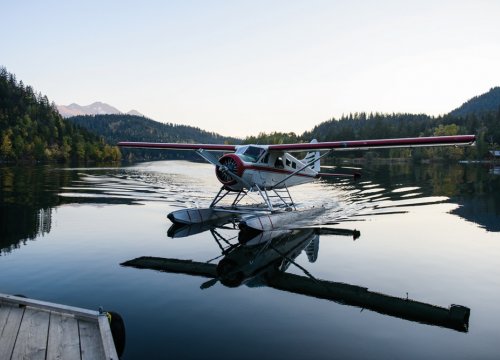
{"points": [[12, 316], [31, 342], [70, 310], [90, 341], [33, 329], [64, 339]]}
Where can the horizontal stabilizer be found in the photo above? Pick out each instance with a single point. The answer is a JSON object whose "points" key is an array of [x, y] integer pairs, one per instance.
{"points": [[355, 175]]}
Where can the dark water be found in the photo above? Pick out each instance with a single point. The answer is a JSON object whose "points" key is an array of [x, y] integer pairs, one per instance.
{"points": [[430, 238]]}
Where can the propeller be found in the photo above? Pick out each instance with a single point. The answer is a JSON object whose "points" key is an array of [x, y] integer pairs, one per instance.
{"points": [[226, 169]]}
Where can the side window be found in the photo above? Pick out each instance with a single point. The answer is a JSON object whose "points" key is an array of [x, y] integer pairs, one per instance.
{"points": [[294, 164], [287, 162], [265, 159], [278, 163]]}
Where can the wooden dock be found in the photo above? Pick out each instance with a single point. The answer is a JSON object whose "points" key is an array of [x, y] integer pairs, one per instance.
{"points": [[32, 329]]}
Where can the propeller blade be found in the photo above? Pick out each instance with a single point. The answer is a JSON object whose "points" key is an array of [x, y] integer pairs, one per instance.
{"points": [[208, 284], [212, 159], [238, 178]]}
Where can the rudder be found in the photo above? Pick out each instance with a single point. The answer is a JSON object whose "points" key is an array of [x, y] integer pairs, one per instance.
{"points": [[311, 156]]}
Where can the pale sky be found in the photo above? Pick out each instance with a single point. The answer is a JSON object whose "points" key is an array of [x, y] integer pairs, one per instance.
{"points": [[242, 67]]}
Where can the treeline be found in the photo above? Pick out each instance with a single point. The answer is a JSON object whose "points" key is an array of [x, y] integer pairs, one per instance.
{"points": [[359, 126], [122, 127], [31, 129], [274, 138]]}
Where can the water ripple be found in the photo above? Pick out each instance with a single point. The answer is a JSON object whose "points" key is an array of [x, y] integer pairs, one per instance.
{"points": [[187, 185]]}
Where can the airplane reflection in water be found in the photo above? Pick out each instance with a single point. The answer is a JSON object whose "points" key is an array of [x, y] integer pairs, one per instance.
{"points": [[262, 258]]}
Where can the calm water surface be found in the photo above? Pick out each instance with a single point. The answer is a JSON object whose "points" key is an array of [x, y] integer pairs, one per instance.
{"points": [[429, 233]]}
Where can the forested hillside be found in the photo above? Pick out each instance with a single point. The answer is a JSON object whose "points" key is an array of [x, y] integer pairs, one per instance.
{"points": [[31, 129], [122, 127], [487, 102], [358, 126]]}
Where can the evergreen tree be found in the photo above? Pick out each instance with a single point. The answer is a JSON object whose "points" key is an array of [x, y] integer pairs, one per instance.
{"points": [[31, 129]]}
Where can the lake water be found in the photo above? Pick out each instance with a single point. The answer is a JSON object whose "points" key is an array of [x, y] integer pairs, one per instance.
{"points": [[430, 238]]}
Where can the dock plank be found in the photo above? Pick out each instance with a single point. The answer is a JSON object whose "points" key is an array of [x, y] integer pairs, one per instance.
{"points": [[4, 314], [90, 341], [34, 329], [10, 329], [77, 312], [63, 342], [31, 342]]}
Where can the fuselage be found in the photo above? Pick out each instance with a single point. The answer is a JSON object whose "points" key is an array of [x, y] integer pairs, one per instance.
{"points": [[256, 165]]}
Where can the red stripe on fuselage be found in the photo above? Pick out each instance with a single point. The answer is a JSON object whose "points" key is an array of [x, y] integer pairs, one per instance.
{"points": [[274, 170]]}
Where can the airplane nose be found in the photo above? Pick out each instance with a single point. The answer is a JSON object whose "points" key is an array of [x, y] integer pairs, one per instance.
{"points": [[229, 164]]}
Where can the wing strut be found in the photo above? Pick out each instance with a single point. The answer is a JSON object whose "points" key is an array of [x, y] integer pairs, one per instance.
{"points": [[302, 168]]}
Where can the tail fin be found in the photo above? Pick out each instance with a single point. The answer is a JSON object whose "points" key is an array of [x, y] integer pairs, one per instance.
{"points": [[312, 249], [311, 156]]}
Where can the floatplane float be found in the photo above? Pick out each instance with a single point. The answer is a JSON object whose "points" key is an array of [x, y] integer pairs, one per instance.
{"points": [[269, 170]]}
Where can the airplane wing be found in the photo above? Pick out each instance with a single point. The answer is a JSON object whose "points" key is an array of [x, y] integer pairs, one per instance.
{"points": [[455, 317], [378, 144], [178, 146], [457, 140]]}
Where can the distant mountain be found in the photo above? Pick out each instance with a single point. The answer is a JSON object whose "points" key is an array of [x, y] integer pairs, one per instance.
{"points": [[486, 102], [96, 108], [122, 127], [31, 129], [134, 112]]}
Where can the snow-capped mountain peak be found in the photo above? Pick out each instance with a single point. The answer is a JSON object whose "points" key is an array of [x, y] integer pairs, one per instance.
{"points": [[96, 108]]}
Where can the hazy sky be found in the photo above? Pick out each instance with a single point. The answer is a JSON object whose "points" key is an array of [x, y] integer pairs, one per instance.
{"points": [[241, 67]]}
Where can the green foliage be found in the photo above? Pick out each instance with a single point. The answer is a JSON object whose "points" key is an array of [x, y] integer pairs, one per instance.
{"points": [[32, 130], [272, 138], [359, 126], [120, 127], [446, 153]]}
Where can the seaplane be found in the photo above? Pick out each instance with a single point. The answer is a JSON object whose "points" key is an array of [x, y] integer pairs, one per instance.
{"points": [[269, 171]]}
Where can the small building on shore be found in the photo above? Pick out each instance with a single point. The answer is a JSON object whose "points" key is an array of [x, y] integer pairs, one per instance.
{"points": [[495, 156]]}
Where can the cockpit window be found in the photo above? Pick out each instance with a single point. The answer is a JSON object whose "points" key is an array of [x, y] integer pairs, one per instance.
{"points": [[252, 154]]}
